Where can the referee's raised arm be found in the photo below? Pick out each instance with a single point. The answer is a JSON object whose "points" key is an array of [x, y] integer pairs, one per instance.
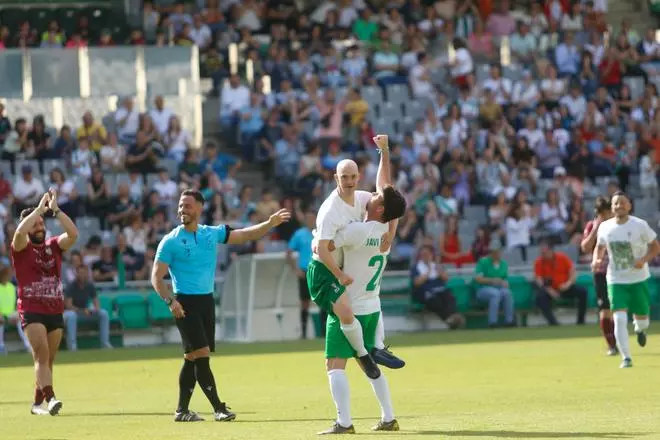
{"points": [[251, 233]]}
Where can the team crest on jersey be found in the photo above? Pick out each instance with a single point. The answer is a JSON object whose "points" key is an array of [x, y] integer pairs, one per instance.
{"points": [[335, 287]]}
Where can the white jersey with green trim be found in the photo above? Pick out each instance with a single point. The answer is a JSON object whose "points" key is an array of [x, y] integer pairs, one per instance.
{"points": [[364, 262], [335, 214]]}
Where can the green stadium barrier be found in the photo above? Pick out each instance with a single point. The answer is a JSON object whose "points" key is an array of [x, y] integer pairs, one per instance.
{"points": [[159, 312], [132, 310]]}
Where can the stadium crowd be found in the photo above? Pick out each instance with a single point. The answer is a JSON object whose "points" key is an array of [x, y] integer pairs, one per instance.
{"points": [[506, 145]]}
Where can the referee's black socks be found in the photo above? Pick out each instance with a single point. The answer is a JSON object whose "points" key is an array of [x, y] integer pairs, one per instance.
{"points": [[186, 385], [207, 382]]}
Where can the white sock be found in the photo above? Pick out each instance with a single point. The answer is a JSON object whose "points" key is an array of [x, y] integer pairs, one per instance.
{"points": [[641, 324], [382, 390], [353, 333], [341, 395], [621, 333], [379, 342], [24, 338]]}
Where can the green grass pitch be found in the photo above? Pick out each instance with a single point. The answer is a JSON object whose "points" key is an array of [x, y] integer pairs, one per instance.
{"points": [[537, 383]]}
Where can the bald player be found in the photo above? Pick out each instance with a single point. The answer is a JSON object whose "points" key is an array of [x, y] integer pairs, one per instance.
{"points": [[326, 280]]}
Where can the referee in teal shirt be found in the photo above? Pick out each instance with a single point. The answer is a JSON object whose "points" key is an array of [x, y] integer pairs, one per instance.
{"points": [[189, 254], [301, 242]]}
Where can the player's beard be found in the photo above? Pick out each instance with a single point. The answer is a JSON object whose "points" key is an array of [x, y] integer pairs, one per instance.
{"points": [[186, 219], [37, 237]]}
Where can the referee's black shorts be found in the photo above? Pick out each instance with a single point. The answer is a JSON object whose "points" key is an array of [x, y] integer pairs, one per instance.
{"points": [[303, 289], [197, 328], [603, 299]]}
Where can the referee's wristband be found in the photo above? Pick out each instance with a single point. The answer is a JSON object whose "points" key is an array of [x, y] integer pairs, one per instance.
{"points": [[168, 301]]}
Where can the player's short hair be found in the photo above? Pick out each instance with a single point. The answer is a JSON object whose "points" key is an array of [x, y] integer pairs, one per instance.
{"points": [[603, 204], [194, 194], [394, 204]]}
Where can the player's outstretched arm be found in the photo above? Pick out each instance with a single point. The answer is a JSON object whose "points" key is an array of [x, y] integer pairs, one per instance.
{"points": [[251, 233], [384, 175], [20, 239], [70, 235]]}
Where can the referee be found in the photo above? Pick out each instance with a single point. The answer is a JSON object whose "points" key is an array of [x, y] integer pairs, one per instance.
{"points": [[189, 254]]}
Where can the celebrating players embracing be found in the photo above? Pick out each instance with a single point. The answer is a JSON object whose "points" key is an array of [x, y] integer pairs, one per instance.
{"points": [[326, 280], [189, 254], [630, 244], [365, 255], [37, 263]]}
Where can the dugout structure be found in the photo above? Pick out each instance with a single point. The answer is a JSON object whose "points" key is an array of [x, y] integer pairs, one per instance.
{"points": [[260, 300]]}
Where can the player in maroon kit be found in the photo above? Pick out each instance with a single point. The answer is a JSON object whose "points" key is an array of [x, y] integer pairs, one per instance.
{"points": [[603, 210], [38, 266]]}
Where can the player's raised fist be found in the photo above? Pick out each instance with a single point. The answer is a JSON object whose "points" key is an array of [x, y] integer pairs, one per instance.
{"points": [[43, 203], [52, 202], [281, 216], [381, 141]]}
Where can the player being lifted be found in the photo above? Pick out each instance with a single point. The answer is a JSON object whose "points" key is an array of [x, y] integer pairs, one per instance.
{"points": [[365, 254], [325, 279], [630, 244]]}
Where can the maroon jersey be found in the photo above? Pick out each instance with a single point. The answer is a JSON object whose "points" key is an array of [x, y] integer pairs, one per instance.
{"points": [[587, 230], [39, 274]]}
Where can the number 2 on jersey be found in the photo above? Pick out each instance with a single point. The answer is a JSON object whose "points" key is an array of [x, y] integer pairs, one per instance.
{"points": [[376, 260]]}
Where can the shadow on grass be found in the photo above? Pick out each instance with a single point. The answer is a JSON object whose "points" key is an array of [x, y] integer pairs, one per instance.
{"points": [[227, 349], [130, 414], [523, 434]]}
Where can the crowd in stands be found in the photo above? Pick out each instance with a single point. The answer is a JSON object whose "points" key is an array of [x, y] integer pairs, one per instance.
{"points": [[489, 145]]}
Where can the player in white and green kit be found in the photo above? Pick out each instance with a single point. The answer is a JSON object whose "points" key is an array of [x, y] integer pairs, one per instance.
{"points": [[631, 244], [365, 257], [325, 279]]}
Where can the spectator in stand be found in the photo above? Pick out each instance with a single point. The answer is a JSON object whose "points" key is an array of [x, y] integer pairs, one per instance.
{"points": [[83, 160], [39, 141], [176, 140], [493, 287], [161, 116], [27, 190], [266, 206], [67, 196], [122, 208], [450, 245], [518, 227], [93, 132], [98, 197], [429, 288], [16, 142], [251, 124], [77, 298], [220, 163], [166, 188], [105, 268], [553, 217], [5, 125], [235, 97], [113, 155], [64, 145], [501, 23], [133, 261], [127, 119], [554, 275]]}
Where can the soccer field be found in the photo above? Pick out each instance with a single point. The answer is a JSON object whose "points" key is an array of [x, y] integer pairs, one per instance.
{"points": [[520, 383]]}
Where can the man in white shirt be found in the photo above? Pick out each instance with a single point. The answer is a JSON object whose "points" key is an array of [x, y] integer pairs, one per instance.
{"points": [[420, 78], [631, 244], [127, 119], [166, 188], [200, 33], [365, 257], [27, 189], [235, 97], [575, 102], [385, 61], [500, 86], [160, 115]]}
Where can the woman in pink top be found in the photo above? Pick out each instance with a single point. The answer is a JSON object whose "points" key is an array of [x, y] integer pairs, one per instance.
{"points": [[481, 41]]}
